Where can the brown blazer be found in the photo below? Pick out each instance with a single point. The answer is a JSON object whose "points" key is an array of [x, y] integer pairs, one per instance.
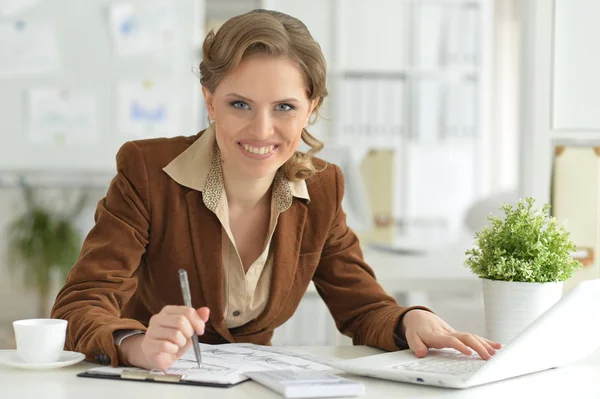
{"points": [[148, 226]]}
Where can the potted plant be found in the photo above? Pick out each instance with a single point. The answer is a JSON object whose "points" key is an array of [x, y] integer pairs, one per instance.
{"points": [[523, 260], [43, 244]]}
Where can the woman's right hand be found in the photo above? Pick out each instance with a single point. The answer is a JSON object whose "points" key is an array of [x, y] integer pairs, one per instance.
{"points": [[167, 338]]}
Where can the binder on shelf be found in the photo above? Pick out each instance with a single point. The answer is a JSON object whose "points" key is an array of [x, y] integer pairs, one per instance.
{"points": [[428, 120], [585, 255], [431, 35], [574, 198]]}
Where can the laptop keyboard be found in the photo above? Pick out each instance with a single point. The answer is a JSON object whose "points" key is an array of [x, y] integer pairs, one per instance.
{"points": [[444, 363]]}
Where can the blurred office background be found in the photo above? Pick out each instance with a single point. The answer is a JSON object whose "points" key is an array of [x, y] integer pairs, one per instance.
{"points": [[438, 112]]}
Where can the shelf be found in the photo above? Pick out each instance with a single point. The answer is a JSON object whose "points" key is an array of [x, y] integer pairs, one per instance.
{"points": [[580, 137], [445, 74], [56, 179], [465, 3]]}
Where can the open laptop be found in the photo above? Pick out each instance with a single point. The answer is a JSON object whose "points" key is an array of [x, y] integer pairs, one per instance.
{"points": [[565, 333]]}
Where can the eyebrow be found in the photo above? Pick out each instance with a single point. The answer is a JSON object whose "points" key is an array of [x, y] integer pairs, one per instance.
{"points": [[246, 99]]}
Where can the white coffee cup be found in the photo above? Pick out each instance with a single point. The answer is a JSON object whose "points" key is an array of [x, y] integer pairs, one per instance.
{"points": [[40, 340]]}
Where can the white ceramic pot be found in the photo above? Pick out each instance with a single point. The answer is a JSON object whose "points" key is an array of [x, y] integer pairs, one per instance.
{"points": [[511, 306]]}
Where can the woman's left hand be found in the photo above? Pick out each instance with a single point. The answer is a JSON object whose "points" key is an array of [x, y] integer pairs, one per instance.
{"points": [[426, 330]]}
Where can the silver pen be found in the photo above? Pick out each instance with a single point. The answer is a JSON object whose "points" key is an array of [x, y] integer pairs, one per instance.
{"points": [[187, 301]]}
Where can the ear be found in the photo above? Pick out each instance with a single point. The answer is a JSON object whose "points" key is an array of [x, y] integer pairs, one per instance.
{"points": [[209, 101], [311, 108]]}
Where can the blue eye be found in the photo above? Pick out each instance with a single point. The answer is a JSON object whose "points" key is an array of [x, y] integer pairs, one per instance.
{"points": [[285, 107], [239, 105]]}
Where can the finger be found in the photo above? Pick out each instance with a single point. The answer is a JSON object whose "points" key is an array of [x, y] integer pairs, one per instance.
{"points": [[178, 322], [491, 350], [196, 321], [450, 341], [183, 350], [156, 347], [177, 309], [191, 314], [174, 309], [204, 313], [495, 345], [161, 361], [173, 335], [416, 344], [473, 341]]}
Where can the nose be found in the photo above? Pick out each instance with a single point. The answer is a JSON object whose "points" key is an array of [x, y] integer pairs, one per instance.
{"points": [[263, 125]]}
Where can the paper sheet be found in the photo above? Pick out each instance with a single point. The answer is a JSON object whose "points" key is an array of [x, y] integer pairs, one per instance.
{"points": [[147, 109], [139, 28], [27, 48], [62, 116], [227, 363]]}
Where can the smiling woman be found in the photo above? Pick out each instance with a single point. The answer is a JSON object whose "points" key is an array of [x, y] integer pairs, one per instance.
{"points": [[251, 219]]}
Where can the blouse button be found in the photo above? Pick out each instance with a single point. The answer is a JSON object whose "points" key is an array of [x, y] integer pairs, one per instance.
{"points": [[236, 313]]}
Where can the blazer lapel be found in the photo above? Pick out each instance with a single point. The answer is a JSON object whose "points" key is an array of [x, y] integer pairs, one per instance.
{"points": [[286, 250], [206, 231]]}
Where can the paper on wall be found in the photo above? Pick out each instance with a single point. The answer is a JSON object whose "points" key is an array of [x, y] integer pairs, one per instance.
{"points": [[147, 109], [28, 48], [139, 28], [62, 116]]}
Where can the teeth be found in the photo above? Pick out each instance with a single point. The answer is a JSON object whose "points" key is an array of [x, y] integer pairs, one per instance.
{"points": [[259, 150]]}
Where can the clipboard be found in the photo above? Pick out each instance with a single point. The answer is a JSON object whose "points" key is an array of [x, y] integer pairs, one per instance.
{"points": [[154, 376]]}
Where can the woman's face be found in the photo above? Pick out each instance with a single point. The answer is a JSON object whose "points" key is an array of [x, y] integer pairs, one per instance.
{"points": [[259, 109]]}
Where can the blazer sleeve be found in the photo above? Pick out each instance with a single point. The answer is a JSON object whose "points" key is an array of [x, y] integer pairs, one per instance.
{"points": [[360, 307], [105, 276]]}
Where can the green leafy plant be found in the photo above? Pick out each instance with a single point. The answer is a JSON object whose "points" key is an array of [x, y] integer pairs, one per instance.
{"points": [[42, 243], [528, 245]]}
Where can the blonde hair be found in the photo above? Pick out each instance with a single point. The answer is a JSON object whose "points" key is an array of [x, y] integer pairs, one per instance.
{"points": [[275, 34]]}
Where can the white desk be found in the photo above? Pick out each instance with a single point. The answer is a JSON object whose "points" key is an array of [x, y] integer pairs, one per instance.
{"points": [[423, 266], [578, 381], [439, 271]]}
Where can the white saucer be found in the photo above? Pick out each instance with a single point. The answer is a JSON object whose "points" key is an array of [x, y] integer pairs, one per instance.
{"points": [[11, 358]]}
